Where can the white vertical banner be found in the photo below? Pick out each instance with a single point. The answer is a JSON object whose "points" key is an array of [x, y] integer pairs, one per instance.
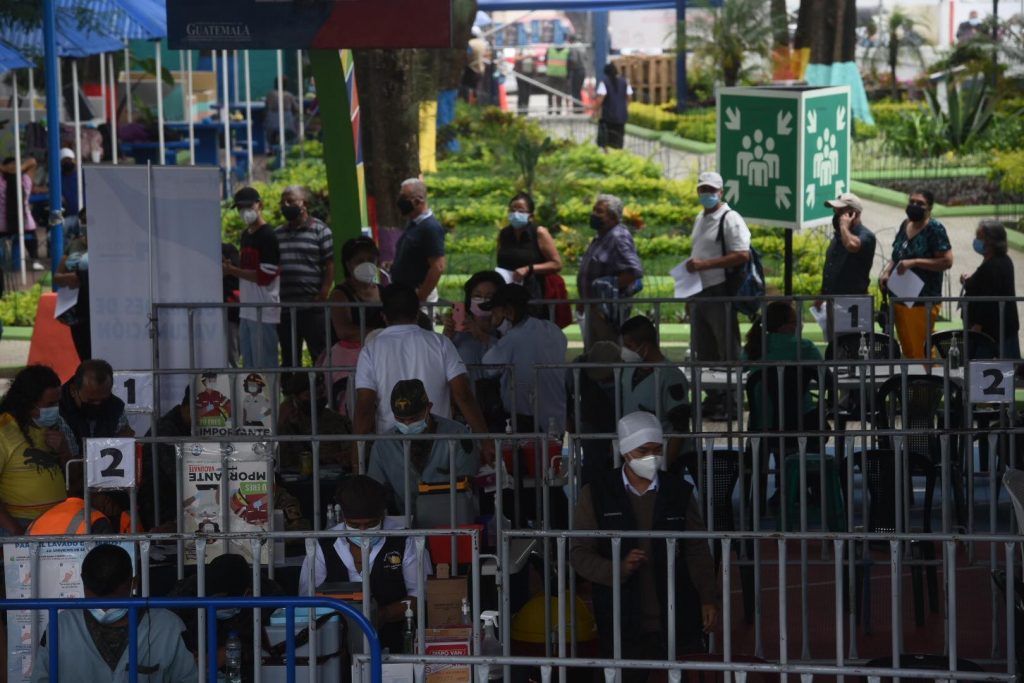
{"points": [[154, 235]]}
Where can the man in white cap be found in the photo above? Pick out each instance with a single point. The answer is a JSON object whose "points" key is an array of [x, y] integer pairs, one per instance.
{"points": [[721, 243], [640, 497], [851, 253], [69, 190]]}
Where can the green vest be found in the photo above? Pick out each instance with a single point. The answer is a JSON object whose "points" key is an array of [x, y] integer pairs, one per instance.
{"points": [[558, 62]]}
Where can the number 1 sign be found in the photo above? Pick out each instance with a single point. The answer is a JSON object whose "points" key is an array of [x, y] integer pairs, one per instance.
{"points": [[110, 463]]}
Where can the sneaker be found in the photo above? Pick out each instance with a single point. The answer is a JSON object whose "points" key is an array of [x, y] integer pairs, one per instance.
{"points": [[36, 265]]}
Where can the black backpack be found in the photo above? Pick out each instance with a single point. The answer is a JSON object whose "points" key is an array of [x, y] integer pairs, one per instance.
{"points": [[744, 280]]}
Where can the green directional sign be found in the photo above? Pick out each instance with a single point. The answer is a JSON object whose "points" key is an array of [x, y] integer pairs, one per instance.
{"points": [[783, 151]]}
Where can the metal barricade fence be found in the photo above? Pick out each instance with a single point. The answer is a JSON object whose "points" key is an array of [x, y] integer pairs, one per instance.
{"points": [[208, 606]]}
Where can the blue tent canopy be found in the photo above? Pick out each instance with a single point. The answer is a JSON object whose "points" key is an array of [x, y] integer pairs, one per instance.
{"points": [[12, 59], [586, 5], [136, 19]]}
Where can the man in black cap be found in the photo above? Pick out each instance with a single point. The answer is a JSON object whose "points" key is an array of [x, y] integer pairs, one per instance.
{"points": [[428, 460], [259, 275]]}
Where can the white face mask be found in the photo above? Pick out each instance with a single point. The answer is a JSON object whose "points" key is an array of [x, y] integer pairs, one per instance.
{"points": [[630, 356], [358, 540], [646, 467], [366, 272], [108, 616], [249, 216]]}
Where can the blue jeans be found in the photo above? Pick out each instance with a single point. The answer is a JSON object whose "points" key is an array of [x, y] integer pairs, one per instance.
{"points": [[258, 344]]}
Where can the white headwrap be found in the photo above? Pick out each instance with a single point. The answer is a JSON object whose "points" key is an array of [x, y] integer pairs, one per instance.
{"points": [[638, 428]]}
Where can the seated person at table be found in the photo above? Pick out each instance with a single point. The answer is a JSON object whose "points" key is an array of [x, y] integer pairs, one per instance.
{"points": [[93, 643], [665, 395], [429, 461], [89, 407], [596, 406], [294, 419], [176, 422], [780, 344], [392, 560], [226, 576], [108, 513]]}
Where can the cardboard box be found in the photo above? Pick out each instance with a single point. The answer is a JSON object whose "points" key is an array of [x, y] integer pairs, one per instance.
{"points": [[448, 642], [444, 598], [390, 673]]}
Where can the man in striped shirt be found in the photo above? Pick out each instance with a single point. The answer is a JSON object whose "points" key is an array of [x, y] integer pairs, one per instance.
{"points": [[307, 275]]}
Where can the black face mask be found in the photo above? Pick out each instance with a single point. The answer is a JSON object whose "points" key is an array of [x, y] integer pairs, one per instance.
{"points": [[90, 411], [291, 213], [405, 206], [915, 212]]}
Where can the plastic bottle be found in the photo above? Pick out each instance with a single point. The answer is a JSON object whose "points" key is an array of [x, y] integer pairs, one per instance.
{"points": [[489, 645], [409, 635], [331, 521], [233, 658], [954, 353], [465, 613], [862, 350]]}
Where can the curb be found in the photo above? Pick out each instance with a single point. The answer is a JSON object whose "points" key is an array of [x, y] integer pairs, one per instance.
{"points": [[896, 199]]}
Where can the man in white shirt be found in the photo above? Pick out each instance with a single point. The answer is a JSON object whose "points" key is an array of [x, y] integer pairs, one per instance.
{"points": [[721, 242], [525, 343], [404, 350]]}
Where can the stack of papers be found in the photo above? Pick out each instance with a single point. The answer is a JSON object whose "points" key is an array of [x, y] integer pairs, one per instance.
{"points": [[687, 284]]}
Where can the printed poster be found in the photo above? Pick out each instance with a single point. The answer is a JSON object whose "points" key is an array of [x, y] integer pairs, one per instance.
{"points": [[245, 409], [257, 393], [58, 574], [242, 505], [212, 393]]}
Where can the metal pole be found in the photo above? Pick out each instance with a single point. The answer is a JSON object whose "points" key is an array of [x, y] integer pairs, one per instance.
{"points": [[78, 137], [160, 101], [301, 92], [103, 87], [681, 85], [53, 130], [32, 95], [20, 191], [280, 105], [225, 115], [188, 111], [128, 81], [248, 111], [113, 113]]}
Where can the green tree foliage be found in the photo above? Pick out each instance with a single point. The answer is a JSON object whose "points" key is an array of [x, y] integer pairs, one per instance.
{"points": [[735, 39]]}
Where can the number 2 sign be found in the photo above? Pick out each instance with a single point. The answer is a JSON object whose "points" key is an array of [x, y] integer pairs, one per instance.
{"points": [[992, 382], [110, 463]]}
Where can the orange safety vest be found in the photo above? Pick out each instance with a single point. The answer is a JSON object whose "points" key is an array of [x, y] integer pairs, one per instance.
{"points": [[125, 527], [63, 519]]}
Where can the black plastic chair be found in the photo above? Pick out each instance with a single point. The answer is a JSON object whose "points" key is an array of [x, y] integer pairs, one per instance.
{"points": [[973, 345], [921, 407], [915, 661]]}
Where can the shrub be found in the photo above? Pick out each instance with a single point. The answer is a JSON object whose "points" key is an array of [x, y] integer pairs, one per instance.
{"points": [[19, 308], [1008, 169]]}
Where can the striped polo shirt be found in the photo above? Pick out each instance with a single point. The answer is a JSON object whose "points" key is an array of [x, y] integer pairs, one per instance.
{"points": [[305, 252]]}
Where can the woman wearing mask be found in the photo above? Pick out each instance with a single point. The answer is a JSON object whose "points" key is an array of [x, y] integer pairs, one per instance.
{"points": [[994, 277], [923, 247], [474, 340], [73, 272], [33, 451], [351, 324], [526, 249]]}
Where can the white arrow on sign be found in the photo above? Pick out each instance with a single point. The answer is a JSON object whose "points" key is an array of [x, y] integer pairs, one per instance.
{"points": [[732, 118], [839, 187], [810, 195], [812, 121], [841, 118], [732, 190], [782, 196], [783, 120]]}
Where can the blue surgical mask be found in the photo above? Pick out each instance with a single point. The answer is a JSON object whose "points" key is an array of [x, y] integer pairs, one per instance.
{"points": [[414, 428], [708, 200], [228, 613], [83, 262], [108, 616], [979, 246], [518, 219], [358, 540], [47, 416]]}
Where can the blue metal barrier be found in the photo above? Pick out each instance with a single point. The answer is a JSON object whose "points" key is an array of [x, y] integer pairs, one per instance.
{"points": [[290, 604]]}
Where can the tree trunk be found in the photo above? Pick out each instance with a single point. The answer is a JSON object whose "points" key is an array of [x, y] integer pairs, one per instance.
{"points": [[780, 24], [389, 112], [839, 11]]}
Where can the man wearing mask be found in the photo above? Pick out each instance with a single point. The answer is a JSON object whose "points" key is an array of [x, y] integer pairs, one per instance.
{"points": [[664, 391], [259, 279], [392, 561], [89, 408], [640, 496], [610, 269], [851, 253], [94, 642], [721, 242], [428, 460], [526, 342], [69, 191], [295, 418], [419, 256], [307, 276]]}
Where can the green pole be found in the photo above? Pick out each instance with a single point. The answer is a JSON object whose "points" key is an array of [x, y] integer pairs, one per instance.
{"points": [[339, 149]]}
